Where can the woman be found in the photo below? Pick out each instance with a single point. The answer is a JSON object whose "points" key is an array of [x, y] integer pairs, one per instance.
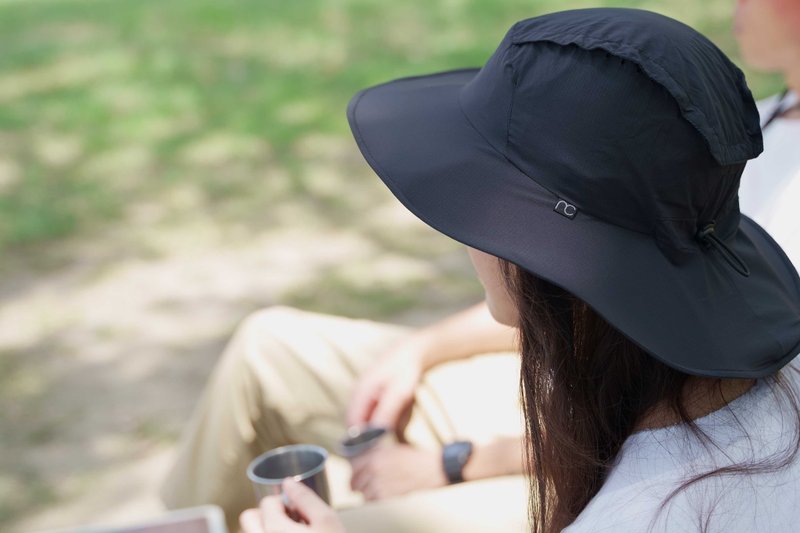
{"points": [[592, 168]]}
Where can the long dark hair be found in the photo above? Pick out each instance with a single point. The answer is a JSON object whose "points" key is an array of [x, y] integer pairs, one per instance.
{"points": [[584, 387]]}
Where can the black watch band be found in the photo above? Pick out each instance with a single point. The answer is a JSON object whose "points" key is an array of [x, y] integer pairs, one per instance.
{"points": [[454, 456]]}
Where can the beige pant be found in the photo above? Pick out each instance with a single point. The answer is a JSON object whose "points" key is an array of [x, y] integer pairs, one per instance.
{"points": [[286, 377]]}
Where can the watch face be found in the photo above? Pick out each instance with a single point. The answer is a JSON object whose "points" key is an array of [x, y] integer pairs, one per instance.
{"points": [[454, 457]]}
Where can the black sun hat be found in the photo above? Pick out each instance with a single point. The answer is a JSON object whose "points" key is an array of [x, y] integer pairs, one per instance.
{"points": [[601, 149]]}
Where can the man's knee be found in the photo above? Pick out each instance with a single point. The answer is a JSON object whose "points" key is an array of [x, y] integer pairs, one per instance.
{"points": [[260, 332], [271, 318]]}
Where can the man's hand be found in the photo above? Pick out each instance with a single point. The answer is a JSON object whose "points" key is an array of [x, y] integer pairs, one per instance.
{"points": [[385, 393], [271, 516], [395, 469]]}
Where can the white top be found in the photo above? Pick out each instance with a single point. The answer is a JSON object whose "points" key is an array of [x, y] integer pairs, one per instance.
{"points": [[770, 188], [651, 464]]}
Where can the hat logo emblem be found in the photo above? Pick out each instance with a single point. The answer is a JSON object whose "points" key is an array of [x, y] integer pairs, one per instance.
{"points": [[566, 209]]}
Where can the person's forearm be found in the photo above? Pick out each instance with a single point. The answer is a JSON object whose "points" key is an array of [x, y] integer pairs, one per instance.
{"points": [[464, 334], [501, 457]]}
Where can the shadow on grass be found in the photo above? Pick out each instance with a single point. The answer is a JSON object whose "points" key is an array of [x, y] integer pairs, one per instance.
{"points": [[80, 418], [194, 93]]}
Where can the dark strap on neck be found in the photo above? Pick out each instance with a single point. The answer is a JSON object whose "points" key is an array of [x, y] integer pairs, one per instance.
{"points": [[780, 108]]}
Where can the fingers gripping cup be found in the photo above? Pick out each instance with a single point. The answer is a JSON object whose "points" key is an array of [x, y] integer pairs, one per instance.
{"points": [[302, 462]]}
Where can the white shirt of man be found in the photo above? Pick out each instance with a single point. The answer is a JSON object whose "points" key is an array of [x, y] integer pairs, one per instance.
{"points": [[770, 189]]}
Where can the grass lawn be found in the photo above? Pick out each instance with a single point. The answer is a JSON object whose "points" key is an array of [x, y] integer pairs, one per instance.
{"points": [[106, 105]]}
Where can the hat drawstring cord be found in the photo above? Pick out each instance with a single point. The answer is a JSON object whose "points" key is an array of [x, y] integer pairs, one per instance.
{"points": [[707, 237]]}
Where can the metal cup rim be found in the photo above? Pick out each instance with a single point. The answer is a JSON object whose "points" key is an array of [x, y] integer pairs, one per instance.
{"points": [[283, 449], [353, 450]]}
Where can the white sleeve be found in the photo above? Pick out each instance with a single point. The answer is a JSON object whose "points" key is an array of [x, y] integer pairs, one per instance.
{"points": [[722, 504]]}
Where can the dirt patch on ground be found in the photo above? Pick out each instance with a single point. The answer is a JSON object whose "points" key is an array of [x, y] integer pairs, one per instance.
{"points": [[105, 342]]}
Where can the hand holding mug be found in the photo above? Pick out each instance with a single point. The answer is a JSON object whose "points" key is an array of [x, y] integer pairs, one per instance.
{"points": [[272, 517], [384, 395]]}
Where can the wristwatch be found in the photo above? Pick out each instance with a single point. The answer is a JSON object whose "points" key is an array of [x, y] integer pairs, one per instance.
{"points": [[454, 456]]}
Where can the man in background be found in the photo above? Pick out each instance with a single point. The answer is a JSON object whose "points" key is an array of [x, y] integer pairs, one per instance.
{"points": [[768, 33]]}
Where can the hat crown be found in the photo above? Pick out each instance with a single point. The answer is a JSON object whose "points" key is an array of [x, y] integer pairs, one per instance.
{"points": [[564, 142], [618, 111]]}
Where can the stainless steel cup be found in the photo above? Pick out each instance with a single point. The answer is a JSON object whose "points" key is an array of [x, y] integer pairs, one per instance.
{"points": [[302, 462], [360, 439]]}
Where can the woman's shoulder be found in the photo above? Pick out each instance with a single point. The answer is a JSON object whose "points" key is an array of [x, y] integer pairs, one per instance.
{"points": [[753, 447], [719, 504]]}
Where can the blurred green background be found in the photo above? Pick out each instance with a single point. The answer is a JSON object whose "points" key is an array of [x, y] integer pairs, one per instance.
{"points": [[105, 104], [167, 167]]}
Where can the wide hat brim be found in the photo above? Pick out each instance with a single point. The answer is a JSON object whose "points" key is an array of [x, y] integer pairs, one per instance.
{"points": [[700, 317]]}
